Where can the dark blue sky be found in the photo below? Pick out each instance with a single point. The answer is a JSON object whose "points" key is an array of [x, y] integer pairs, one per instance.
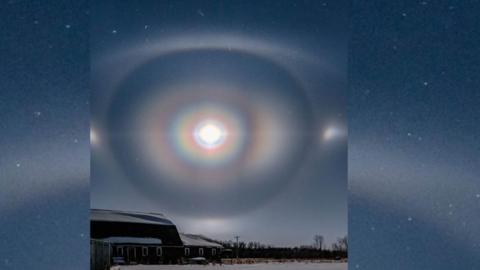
{"points": [[44, 135], [413, 148]]}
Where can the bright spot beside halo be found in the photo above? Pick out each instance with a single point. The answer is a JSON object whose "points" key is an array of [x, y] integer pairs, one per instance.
{"points": [[333, 132], [93, 137], [209, 134]]}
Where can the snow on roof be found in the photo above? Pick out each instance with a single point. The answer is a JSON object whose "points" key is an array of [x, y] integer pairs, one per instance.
{"points": [[133, 240], [198, 240], [129, 217]]}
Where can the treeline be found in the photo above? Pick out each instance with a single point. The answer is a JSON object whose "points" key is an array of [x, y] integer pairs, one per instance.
{"points": [[317, 250]]}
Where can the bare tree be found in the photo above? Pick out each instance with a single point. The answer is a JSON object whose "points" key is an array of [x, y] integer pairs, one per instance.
{"points": [[318, 241], [344, 242], [341, 244]]}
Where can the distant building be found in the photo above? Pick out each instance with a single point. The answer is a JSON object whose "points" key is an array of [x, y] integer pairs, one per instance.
{"points": [[198, 246], [119, 237]]}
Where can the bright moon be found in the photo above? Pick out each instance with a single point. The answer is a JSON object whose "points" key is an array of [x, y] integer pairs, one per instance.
{"points": [[209, 134]]}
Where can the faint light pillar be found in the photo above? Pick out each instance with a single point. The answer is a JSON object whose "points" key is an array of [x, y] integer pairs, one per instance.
{"points": [[236, 237]]}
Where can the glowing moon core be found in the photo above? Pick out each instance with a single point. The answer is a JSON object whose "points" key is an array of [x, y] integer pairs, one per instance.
{"points": [[209, 134]]}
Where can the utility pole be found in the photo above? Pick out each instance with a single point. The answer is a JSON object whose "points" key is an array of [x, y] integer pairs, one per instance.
{"points": [[236, 237]]}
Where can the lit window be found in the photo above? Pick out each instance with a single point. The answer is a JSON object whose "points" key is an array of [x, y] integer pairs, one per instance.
{"points": [[159, 251], [144, 251], [200, 251]]}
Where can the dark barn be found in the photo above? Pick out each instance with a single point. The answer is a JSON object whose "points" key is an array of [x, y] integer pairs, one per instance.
{"points": [[134, 238], [198, 246]]}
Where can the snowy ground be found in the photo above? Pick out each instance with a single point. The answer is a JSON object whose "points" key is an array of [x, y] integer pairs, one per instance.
{"points": [[260, 266]]}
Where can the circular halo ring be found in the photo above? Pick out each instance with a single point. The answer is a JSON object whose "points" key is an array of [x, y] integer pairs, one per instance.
{"points": [[278, 155]]}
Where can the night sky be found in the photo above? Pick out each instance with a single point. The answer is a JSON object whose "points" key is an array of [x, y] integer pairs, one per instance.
{"points": [[414, 192], [273, 75], [44, 135], [414, 149]]}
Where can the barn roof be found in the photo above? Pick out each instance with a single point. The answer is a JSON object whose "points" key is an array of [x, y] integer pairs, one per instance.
{"points": [[133, 240], [198, 240], [128, 217]]}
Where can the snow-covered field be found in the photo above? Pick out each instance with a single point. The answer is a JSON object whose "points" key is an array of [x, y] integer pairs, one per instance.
{"points": [[260, 266]]}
